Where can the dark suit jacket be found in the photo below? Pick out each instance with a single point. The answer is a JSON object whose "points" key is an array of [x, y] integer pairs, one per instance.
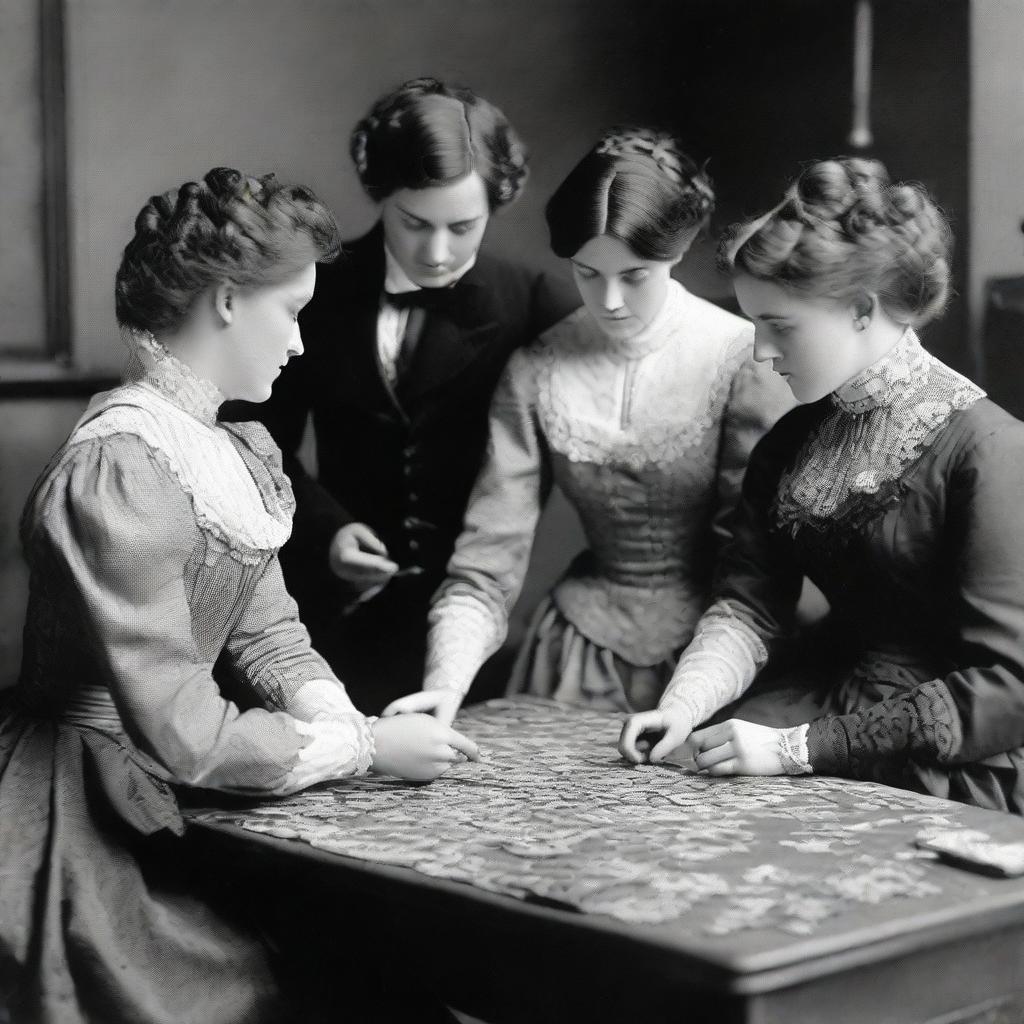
{"points": [[403, 466]]}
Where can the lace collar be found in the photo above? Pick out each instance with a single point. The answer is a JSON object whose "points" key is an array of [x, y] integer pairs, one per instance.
{"points": [[900, 372], [152, 365]]}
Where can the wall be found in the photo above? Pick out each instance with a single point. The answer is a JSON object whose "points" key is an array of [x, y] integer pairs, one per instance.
{"points": [[996, 165], [159, 92]]}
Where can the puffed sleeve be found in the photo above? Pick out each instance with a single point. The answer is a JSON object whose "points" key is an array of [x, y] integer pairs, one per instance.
{"points": [[118, 524], [469, 618], [978, 710], [757, 399]]}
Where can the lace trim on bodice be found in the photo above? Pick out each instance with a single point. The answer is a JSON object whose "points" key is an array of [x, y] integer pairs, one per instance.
{"points": [[646, 401], [249, 513], [882, 421]]}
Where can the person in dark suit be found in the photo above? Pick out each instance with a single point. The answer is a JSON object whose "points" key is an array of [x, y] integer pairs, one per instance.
{"points": [[405, 339]]}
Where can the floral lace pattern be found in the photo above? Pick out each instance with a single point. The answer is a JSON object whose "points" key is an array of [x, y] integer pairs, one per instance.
{"points": [[239, 493], [884, 418], [649, 400], [924, 723], [463, 635], [728, 865]]}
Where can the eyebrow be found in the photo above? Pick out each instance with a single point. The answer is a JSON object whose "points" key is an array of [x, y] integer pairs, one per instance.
{"points": [[627, 270], [420, 220]]}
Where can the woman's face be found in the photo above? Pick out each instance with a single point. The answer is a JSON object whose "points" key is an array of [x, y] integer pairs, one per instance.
{"points": [[263, 335], [434, 232], [621, 291], [812, 342]]}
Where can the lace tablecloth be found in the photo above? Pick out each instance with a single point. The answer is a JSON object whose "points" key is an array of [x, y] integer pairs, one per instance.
{"points": [[553, 815]]}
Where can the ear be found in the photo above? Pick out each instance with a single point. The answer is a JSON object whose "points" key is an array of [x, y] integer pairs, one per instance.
{"points": [[863, 309], [223, 302]]}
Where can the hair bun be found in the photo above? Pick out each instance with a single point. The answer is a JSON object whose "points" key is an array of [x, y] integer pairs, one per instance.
{"points": [[844, 226]]}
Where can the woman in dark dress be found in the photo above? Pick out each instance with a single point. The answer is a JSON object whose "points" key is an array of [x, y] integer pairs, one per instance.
{"points": [[405, 340], [896, 487]]}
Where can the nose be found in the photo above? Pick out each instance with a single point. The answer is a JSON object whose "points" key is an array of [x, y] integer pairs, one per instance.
{"points": [[612, 298], [295, 346], [764, 351], [437, 251]]}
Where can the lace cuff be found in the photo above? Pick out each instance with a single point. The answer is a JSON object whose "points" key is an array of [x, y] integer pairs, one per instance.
{"points": [[793, 750], [463, 635], [341, 747], [319, 699], [717, 667], [922, 723]]}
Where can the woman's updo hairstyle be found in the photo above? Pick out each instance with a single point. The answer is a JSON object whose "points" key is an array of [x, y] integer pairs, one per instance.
{"points": [[844, 229], [426, 133], [228, 227], [638, 186]]}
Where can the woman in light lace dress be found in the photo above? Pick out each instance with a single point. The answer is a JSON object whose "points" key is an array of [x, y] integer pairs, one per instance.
{"points": [[896, 488], [152, 542], [642, 406]]}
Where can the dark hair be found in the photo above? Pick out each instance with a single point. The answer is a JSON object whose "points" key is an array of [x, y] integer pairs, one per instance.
{"points": [[638, 186], [252, 231], [426, 133], [843, 229]]}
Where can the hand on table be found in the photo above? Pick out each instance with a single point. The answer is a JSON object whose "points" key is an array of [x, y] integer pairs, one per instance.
{"points": [[443, 703], [358, 556], [650, 736], [418, 747], [739, 748]]}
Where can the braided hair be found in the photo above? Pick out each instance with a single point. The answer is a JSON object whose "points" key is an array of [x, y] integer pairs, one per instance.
{"points": [[638, 186], [844, 228], [230, 226], [426, 133]]}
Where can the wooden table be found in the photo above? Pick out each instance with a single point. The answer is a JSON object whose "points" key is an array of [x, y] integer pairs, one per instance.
{"points": [[555, 883]]}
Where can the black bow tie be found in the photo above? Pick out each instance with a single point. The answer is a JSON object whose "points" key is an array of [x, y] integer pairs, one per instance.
{"points": [[425, 298]]}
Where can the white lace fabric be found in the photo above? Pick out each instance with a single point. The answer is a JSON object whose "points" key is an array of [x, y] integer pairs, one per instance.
{"points": [[883, 420], [793, 750], [717, 667], [173, 411], [647, 400], [463, 635]]}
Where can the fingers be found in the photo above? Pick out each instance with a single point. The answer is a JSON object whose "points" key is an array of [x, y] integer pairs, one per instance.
{"points": [[709, 757], [730, 766], [674, 737], [367, 539], [463, 744], [635, 726], [411, 703], [712, 736], [368, 565]]}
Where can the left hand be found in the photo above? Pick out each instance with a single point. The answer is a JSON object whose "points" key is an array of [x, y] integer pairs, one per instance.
{"points": [[443, 703], [738, 748]]}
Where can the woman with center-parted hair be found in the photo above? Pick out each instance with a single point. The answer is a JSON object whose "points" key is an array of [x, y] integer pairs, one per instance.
{"points": [[405, 339], [642, 407], [152, 541]]}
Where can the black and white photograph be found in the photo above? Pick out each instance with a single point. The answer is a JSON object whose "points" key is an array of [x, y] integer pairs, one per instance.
{"points": [[511, 513]]}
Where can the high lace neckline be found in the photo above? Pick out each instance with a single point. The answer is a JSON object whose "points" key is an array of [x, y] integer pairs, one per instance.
{"points": [[654, 335], [899, 372], [152, 365]]}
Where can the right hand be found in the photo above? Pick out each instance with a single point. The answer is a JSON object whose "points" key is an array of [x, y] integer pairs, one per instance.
{"points": [[443, 703], [358, 556], [418, 747], [650, 736]]}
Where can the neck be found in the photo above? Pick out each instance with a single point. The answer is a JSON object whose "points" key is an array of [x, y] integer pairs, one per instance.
{"points": [[880, 338], [193, 347]]}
